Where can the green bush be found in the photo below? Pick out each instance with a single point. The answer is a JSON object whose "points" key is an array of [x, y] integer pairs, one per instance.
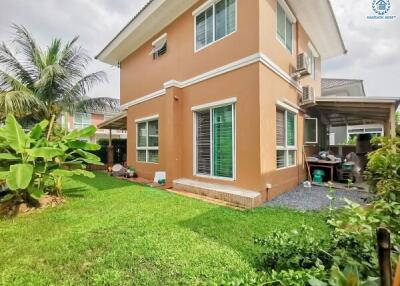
{"points": [[383, 169], [292, 251], [33, 163]]}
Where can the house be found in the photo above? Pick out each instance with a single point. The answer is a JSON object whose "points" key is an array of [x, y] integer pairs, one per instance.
{"points": [[382, 4], [340, 135], [79, 120], [224, 95]]}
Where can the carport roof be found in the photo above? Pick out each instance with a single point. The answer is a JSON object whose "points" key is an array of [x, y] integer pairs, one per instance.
{"points": [[117, 122], [341, 111]]}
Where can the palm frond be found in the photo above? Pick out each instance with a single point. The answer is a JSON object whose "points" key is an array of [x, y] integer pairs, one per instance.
{"points": [[13, 65], [85, 84], [29, 49], [103, 104], [21, 103], [9, 83]]}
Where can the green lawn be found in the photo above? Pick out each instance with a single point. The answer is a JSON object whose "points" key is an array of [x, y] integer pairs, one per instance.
{"points": [[112, 232]]}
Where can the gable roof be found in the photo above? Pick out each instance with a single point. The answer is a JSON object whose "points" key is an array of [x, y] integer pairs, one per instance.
{"points": [[337, 82], [316, 17]]}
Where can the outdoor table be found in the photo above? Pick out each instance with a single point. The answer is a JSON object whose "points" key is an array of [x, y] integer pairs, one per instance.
{"points": [[324, 164]]}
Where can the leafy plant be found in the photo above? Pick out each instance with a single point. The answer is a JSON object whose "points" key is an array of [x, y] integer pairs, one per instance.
{"points": [[383, 169], [292, 251], [348, 277], [34, 164]]}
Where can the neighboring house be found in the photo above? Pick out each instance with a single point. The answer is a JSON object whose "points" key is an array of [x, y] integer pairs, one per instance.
{"points": [[224, 95], [80, 120], [340, 135]]}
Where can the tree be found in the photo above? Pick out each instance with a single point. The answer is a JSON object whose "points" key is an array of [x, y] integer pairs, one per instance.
{"points": [[38, 83]]}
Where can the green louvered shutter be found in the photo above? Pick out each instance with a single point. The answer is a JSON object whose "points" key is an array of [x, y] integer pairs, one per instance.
{"points": [[223, 141], [290, 126]]}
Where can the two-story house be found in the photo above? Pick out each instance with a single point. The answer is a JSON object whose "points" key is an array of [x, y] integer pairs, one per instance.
{"points": [[210, 92]]}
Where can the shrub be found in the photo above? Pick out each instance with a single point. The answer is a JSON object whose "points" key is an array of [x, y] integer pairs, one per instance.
{"points": [[34, 164], [295, 250], [383, 169]]}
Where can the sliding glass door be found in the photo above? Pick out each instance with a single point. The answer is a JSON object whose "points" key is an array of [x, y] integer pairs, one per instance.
{"points": [[215, 142]]}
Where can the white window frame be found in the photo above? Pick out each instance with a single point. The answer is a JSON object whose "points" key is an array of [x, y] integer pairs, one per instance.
{"points": [[211, 106], [350, 128], [313, 55], [147, 148], [287, 148], [82, 125], [292, 19], [316, 130], [203, 8]]}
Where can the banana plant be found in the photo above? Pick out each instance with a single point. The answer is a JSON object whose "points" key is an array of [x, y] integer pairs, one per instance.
{"points": [[33, 163]]}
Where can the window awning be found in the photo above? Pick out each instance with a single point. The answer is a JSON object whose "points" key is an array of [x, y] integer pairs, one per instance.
{"points": [[117, 122], [159, 44]]}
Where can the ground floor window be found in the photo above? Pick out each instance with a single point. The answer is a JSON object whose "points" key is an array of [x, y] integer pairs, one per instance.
{"points": [[286, 134], [147, 141], [215, 143]]}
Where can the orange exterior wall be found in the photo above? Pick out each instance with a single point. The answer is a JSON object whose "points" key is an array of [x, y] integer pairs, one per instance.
{"points": [[141, 75], [256, 88]]}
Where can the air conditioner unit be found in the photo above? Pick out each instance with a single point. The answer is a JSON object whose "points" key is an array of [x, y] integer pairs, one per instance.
{"points": [[303, 65], [308, 95]]}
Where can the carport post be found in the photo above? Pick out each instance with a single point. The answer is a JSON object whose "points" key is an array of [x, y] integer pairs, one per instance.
{"points": [[110, 151]]}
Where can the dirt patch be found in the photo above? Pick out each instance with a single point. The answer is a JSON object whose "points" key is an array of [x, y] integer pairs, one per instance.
{"points": [[16, 209]]}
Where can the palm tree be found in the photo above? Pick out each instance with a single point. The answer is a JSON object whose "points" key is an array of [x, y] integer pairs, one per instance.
{"points": [[38, 83]]}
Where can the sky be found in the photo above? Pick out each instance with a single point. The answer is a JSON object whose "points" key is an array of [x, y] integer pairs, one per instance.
{"points": [[373, 45]]}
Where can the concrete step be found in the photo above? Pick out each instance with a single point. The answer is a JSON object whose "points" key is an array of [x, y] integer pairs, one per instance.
{"points": [[237, 196]]}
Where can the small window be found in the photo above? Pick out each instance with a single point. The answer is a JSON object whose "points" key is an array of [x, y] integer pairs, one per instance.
{"points": [[160, 47], [147, 141], [285, 28], [311, 130], [216, 22], [286, 133], [82, 120]]}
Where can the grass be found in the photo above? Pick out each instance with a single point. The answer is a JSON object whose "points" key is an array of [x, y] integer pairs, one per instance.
{"points": [[112, 232]]}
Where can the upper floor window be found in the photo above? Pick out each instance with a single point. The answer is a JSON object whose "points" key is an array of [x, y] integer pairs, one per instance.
{"points": [[82, 120], [285, 27], [215, 22]]}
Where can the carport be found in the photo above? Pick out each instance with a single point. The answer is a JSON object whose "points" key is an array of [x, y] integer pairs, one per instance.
{"points": [[343, 111], [117, 122]]}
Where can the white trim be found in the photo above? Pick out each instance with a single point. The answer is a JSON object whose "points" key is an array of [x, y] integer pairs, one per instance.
{"points": [[288, 11], [280, 72], [313, 50], [316, 130], [162, 37], [287, 107], [215, 104], [149, 118], [143, 99], [258, 57], [203, 7], [146, 148], [215, 72]]}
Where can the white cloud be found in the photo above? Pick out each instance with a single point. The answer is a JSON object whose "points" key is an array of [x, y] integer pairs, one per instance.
{"points": [[373, 47]]}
